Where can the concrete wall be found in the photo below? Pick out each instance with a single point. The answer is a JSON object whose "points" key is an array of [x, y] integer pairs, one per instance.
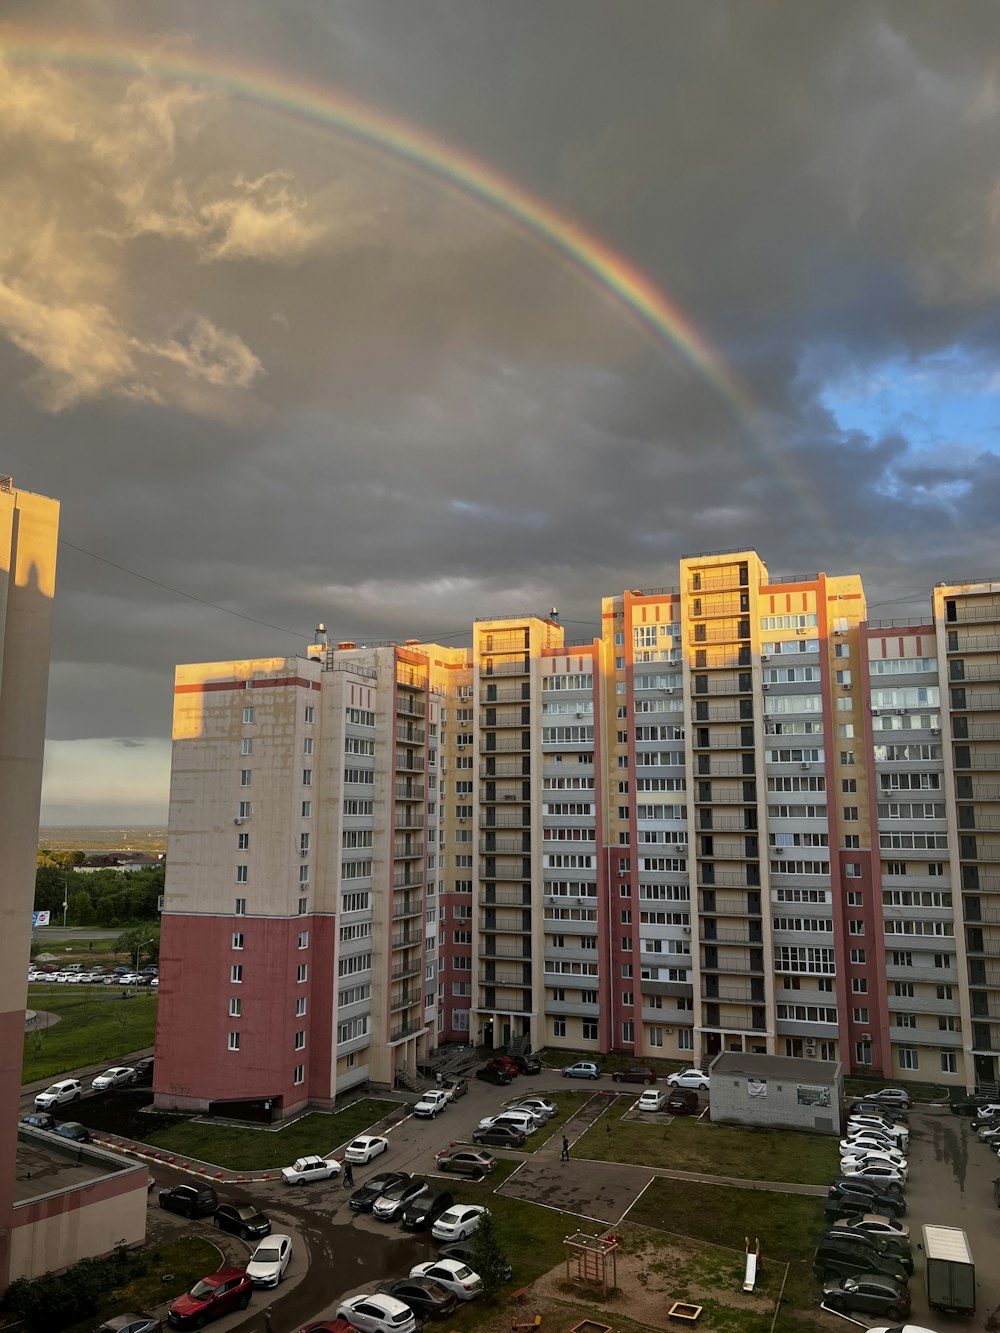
{"points": [[779, 1107], [55, 1231]]}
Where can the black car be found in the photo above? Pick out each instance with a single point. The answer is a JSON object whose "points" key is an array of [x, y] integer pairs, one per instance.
{"points": [[190, 1200], [425, 1297], [363, 1199], [883, 1197], [883, 1241], [840, 1255], [968, 1105], [527, 1064], [870, 1295], [39, 1120], [144, 1069], [493, 1074], [465, 1253], [72, 1129], [635, 1074], [423, 1211], [242, 1219], [499, 1136], [887, 1110], [850, 1206]]}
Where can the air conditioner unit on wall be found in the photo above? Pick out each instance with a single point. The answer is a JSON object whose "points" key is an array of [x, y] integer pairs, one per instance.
{"points": [[866, 1036], [240, 819]]}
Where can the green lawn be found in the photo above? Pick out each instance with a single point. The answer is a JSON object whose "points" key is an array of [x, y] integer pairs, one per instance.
{"points": [[684, 1144], [568, 1102], [239, 1149], [185, 1260], [92, 1029]]}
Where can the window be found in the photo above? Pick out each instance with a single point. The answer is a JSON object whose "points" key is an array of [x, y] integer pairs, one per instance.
{"points": [[628, 1032], [241, 874], [246, 745], [310, 713], [234, 1041], [307, 777], [307, 809], [851, 813], [302, 972], [235, 1007], [949, 1062], [852, 870], [299, 1076], [943, 960], [858, 956], [685, 1040], [860, 1015], [935, 868], [944, 992], [237, 939], [856, 927], [848, 785], [303, 874], [626, 971], [236, 972], [559, 1027], [859, 985], [627, 917], [246, 809], [855, 899], [300, 1041], [852, 842], [628, 998], [303, 906], [847, 761], [248, 717], [243, 842], [300, 1007], [862, 1053], [303, 939], [241, 907], [244, 777], [909, 1058], [589, 1030]]}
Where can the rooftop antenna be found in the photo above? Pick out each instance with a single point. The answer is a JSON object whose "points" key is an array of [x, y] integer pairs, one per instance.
{"points": [[321, 638]]}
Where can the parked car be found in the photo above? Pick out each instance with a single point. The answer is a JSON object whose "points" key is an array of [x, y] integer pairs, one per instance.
{"points": [[527, 1064], [867, 1295], [499, 1136], [269, 1260], [872, 1170], [582, 1069], [118, 1076], [366, 1146], [423, 1211], [333, 1325], [469, 1162], [875, 1224], [520, 1120], [493, 1074], [653, 1099], [144, 1069], [458, 1222], [865, 1106], [634, 1074], [66, 1090], [850, 1206], [376, 1313], [506, 1063], [683, 1101], [131, 1323], [431, 1104], [364, 1198], [968, 1105], [689, 1078], [72, 1129], [887, 1244], [391, 1204], [869, 1138], [218, 1294], [893, 1097], [453, 1275], [189, 1200], [986, 1112], [453, 1088], [538, 1117], [887, 1156], [899, 1134], [243, 1220], [463, 1251], [883, 1197], [839, 1243], [304, 1170], [39, 1120], [427, 1299], [540, 1104]]}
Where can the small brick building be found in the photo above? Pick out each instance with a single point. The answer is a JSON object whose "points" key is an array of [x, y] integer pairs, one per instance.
{"points": [[777, 1092]]}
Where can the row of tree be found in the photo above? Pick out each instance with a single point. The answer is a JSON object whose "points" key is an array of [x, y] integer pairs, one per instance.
{"points": [[109, 898]]}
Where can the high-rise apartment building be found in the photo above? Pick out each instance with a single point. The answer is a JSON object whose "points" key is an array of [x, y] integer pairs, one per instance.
{"points": [[742, 817]]}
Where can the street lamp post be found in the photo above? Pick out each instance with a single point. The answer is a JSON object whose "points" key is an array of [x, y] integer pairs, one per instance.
{"points": [[138, 951], [65, 897]]}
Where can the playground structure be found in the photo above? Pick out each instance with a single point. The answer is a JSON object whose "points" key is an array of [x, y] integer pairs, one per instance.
{"points": [[592, 1260], [752, 1265]]}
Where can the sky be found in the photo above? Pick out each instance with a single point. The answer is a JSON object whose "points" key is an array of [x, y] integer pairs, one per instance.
{"points": [[390, 315]]}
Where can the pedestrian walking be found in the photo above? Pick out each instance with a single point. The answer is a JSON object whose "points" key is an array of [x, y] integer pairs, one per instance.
{"points": [[348, 1175], [439, 1078], [565, 1149]]}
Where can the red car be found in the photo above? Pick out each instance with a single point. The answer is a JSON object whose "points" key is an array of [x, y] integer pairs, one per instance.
{"points": [[218, 1294], [505, 1063], [330, 1326]]}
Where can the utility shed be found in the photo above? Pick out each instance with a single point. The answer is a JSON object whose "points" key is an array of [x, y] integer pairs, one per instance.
{"points": [[777, 1092]]}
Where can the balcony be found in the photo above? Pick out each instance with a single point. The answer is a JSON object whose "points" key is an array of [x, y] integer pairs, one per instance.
{"points": [[727, 797], [504, 951], [722, 687], [408, 819], [513, 695], [983, 763], [722, 579], [408, 706], [406, 735], [700, 634], [406, 1000], [494, 819], [409, 763], [979, 703], [401, 911], [413, 1028], [924, 1037], [410, 878], [409, 791], [518, 668], [729, 995], [515, 770], [505, 872], [407, 851], [988, 855], [410, 680], [407, 939], [976, 643], [726, 879], [969, 614], [742, 966], [504, 979], [491, 846], [403, 970], [495, 898], [512, 927], [733, 906], [490, 743], [747, 935]]}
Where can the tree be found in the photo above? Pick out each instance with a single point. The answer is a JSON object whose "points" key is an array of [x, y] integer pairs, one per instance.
{"points": [[489, 1258], [138, 944]]}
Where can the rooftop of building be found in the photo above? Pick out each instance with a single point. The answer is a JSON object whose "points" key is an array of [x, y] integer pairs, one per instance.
{"points": [[789, 1067], [47, 1165]]}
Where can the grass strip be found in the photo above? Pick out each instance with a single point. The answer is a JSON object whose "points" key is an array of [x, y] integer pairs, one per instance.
{"points": [[92, 1029]]}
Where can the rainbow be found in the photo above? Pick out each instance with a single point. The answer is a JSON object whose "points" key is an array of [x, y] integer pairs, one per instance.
{"points": [[613, 276]]}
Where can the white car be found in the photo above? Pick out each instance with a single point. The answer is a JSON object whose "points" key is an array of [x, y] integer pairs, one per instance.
{"points": [[458, 1222], [304, 1169], [873, 1137], [538, 1116], [269, 1260], [454, 1275], [861, 1148], [118, 1076], [875, 1172], [522, 1120], [131, 979], [63, 977], [875, 1224], [899, 1134], [67, 1090], [377, 1314], [689, 1078], [432, 1103], [542, 1104], [653, 1099], [854, 1161], [364, 1148]]}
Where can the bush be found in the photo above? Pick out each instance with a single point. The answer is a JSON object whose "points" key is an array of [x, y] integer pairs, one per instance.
{"points": [[53, 1300]]}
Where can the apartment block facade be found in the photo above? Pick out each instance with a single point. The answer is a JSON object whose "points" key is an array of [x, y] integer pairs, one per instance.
{"points": [[743, 817]]}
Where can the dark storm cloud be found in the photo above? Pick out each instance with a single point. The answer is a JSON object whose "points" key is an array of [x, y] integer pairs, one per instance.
{"points": [[275, 369]]}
